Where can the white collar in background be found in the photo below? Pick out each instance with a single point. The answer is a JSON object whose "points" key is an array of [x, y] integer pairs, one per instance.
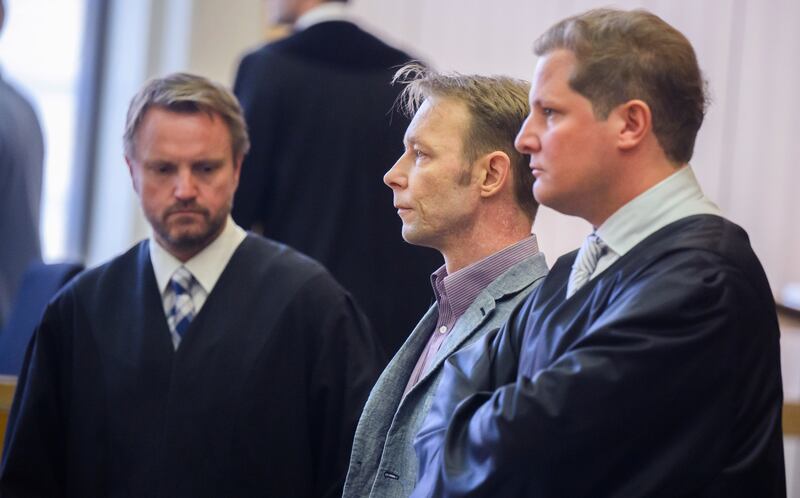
{"points": [[328, 11], [206, 266], [670, 200]]}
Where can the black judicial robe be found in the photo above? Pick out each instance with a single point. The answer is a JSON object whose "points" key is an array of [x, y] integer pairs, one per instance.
{"points": [[260, 399], [318, 106], [659, 378]]}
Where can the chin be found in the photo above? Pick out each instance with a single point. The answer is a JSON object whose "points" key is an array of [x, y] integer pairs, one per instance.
{"points": [[540, 194], [411, 236], [418, 239]]}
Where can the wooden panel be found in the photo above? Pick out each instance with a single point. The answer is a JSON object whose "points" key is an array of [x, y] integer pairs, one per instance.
{"points": [[7, 385], [791, 419]]}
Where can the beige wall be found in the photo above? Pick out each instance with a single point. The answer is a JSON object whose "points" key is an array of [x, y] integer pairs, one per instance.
{"points": [[746, 151]]}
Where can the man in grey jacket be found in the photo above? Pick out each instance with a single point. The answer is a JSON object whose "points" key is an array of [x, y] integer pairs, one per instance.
{"points": [[461, 188]]}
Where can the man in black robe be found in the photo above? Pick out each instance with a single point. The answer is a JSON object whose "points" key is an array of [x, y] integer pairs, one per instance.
{"points": [[647, 363], [318, 105], [203, 362]]}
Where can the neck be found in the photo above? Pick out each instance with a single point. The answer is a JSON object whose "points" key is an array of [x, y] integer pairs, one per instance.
{"points": [[636, 178], [494, 232]]}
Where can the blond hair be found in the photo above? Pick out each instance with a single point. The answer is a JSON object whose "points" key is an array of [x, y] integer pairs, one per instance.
{"points": [[497, 105], [187, 93]]}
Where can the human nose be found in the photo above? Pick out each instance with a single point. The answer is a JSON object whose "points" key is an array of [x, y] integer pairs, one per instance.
{"points": [[185, 186], [396, 177], [527, 140]]}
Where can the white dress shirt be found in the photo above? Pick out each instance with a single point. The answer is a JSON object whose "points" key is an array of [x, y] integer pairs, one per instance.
{"points": [[328, 11], [677, 196], [206, 266]]}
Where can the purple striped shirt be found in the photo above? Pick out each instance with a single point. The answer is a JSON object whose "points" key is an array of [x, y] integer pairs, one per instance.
{"points": [[455, 293]]}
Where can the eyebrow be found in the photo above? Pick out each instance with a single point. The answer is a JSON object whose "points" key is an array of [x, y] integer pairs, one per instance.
{"points": [[213, 162], [158, 162], [415, 140]]}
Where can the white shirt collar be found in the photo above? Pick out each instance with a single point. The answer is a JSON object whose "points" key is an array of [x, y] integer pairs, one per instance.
{"points": [[327, 11], [206, 266], [675, 197]]}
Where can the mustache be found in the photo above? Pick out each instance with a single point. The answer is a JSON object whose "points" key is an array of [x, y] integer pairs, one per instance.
{"points": [[186, 206]]}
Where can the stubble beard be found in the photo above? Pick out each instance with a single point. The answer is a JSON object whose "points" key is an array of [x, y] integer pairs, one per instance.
{"points": [[183, 237]]}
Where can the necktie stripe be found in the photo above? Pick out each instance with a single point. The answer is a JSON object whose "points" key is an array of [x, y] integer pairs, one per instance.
{"points": [[590, 252], [179, 301]]}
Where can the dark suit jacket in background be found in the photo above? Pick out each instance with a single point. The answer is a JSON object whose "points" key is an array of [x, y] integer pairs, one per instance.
{"points": [[318, 106]]}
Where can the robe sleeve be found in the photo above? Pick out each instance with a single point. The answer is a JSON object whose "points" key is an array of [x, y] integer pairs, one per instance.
{"points": [[471, 374], [33, 458], [346, 365], [646, 403], [260, 99]]}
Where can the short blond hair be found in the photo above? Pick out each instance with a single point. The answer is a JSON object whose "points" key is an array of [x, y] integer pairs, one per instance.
{"points": [[187, 93], [498, 105]]}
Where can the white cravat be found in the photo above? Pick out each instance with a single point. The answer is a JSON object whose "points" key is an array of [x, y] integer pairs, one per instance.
{"points": [[585, 263]]}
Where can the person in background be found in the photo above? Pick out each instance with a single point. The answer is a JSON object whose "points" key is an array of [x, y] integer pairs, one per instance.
{"points": [[647, 364], [203, 362], [21, 167], [461, 188], [318, 106]]}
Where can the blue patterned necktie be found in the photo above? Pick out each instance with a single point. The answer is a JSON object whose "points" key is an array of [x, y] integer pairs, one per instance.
{"points": [[585, 263], [182, 310]]}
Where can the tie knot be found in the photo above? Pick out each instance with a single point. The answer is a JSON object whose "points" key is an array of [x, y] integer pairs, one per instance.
{"points": [[181, 281], [585, 263], [595, 246]]}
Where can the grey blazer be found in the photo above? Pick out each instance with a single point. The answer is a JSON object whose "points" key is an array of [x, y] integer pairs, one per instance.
{"points": [[383, 462]]}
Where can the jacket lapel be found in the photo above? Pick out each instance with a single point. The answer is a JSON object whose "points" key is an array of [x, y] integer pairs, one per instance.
{"points": [[392, 383], [512, 281]]}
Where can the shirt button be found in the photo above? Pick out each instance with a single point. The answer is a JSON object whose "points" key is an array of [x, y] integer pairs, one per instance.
{"points": [[442, 329]]}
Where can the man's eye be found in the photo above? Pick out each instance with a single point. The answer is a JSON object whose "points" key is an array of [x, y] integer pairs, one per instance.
{"points": [[547, 111], [206, 168], [419, 154]]}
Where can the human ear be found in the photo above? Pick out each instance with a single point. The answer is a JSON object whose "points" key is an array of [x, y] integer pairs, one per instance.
{"points": [[635, 122], [496, 167]]}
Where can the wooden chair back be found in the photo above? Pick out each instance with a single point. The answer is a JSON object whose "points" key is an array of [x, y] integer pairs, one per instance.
{"points": [[7, 385]]}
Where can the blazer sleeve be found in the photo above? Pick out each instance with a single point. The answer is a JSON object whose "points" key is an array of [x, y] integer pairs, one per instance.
{"points": [[470, 376], [256, 87]]}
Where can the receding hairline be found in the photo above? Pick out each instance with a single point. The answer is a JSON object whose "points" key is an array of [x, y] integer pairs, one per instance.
{"points": [[435, 103]]}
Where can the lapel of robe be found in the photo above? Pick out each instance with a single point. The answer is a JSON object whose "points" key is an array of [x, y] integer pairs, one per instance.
{"points": [[147, 343], [223, 324], [233, 327]]}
